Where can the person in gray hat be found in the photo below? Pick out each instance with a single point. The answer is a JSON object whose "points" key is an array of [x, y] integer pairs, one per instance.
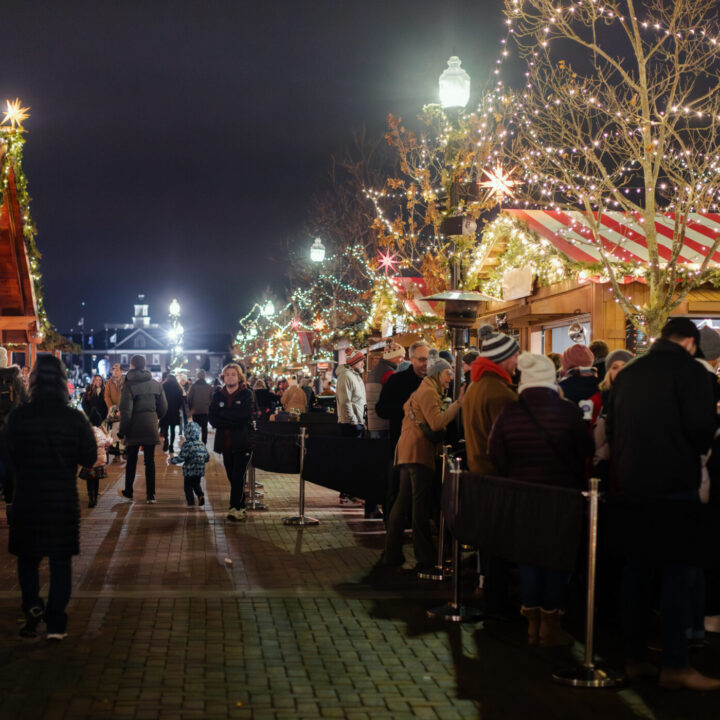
{"points": [[416, 455]]}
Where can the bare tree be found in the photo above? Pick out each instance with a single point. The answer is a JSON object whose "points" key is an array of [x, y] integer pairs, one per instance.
{"points": [[629, 125]]}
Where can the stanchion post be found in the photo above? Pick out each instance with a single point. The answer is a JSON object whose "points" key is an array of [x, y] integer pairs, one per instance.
{"points": [[589, 675], [438, 572], [301, 519], [254, 503], [455, 611]]}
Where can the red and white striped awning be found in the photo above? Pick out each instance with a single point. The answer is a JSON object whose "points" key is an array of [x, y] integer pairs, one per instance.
{"points": [[623, 235]]}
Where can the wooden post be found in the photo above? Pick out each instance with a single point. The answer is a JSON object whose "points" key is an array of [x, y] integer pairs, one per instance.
{"points": [[32, 356]]}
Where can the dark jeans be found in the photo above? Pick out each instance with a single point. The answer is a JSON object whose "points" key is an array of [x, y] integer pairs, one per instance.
{"points": [[357, 431], [675, 610], [58, 594], [416, 490], [236, 466], [202, 421], [132, 458], [168, 432], [192, 485], [543, 588]]}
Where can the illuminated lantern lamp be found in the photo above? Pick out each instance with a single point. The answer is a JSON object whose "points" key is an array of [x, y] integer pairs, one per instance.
{"points": [[317, 251], [454, 85]]}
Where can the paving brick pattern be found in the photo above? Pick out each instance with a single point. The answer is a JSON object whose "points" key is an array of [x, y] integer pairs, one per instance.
{"points": [[180, 613]]}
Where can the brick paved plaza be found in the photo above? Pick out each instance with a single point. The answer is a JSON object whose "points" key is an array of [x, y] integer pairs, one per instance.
{"points": [[179, 613]]}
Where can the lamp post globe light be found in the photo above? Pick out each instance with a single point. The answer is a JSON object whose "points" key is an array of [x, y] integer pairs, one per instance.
{"points": [[454, 85], [268, 310], [174, 307], [317, 251]]}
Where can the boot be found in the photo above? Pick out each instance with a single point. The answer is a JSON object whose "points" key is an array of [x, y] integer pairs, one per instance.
{"points": [[92, 487], [687, 678], [551, 632], [532, 615], [33, 617]]}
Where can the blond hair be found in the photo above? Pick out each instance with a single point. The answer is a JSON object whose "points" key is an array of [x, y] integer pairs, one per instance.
{"points": [[237, 368]]}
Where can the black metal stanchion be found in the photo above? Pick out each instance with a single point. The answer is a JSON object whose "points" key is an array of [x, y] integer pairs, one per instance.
{"points": [[254, 502], [588, 674], [439, 572], [301, 519], [455, 611]]}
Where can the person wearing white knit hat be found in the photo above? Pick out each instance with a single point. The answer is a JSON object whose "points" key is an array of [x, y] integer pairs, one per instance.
{"points": [[541, 439]]}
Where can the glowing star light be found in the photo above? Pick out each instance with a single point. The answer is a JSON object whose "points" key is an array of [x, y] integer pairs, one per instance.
{"points": [[15, 114], [388, 261], [319, 324], [295, 324], [499, 183]]}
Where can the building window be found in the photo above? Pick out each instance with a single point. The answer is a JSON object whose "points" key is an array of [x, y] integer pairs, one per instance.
{"points": [[139, 342], [123, 359], [156, 359]]}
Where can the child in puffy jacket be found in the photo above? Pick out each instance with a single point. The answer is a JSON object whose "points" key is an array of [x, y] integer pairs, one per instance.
{"points": [[92, 475], [193, 455]]}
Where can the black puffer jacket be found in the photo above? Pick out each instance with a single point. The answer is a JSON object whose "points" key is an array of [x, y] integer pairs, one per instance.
{"points": [[661, 417], [520, 450], [175, 399], [231, 416], [93, 400], [47, 441], [142, 403], [393, 396]]}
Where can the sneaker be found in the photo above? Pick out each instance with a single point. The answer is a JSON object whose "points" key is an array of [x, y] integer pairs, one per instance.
{"points": [[201, 500], [55, 637], [237, 515], [33, 617], [124, 496], [151, 501]]}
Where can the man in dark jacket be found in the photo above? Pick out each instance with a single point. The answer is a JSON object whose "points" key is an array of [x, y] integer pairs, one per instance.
{"points": [[661, 418], [231, 413], [390, 406], [198, 400], [142, 404]]}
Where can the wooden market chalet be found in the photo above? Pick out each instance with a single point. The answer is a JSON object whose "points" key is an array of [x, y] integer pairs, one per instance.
{"points": [[550, 317], [20, 329]]}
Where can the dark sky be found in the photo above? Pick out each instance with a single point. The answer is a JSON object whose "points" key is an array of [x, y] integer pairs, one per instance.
{"points": [[173, 146]]}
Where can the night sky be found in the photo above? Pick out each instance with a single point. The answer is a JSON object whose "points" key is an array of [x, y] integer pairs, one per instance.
{"points": [[173, 147]]}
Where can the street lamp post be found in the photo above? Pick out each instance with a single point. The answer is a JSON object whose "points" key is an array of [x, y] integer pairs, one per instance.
{"points": [[317, 251], [175, 334]]}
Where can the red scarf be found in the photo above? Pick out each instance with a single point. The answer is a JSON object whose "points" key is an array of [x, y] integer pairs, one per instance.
{"points": [[483, 365]]}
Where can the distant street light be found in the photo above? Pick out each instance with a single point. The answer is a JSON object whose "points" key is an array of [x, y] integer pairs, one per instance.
{"points": [[268, 310], [454, 85], [317, 251], [174, 307]]}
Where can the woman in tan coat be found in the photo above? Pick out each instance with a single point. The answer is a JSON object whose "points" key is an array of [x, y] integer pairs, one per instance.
{"points": [[416, 454], [293, 399]]}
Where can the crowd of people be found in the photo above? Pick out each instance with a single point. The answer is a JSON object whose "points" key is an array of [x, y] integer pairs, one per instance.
{"points": [[644, 425]]}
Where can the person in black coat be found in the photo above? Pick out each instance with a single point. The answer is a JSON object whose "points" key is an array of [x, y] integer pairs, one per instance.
{"points": [[142, 403], [47, 440], [541, 439], [265, 400], [661, 418], [231, 414], [171, 419], [94, 398]]}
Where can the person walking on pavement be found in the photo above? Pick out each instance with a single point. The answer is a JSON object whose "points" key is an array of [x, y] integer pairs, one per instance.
{"points": [[168, 423], [193, 456], [113, 387], [231, 414], [94, 398], [198, 400], [661, 418], [142, 405], [393, 353], [47, 440]]}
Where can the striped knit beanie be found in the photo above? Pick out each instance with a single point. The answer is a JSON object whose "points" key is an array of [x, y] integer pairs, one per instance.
{"points": [[496, 346]]}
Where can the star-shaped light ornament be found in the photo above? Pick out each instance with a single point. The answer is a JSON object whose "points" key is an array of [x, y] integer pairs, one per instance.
{"points": [[319, 324], [15, 113], [499, 183], [295, 324], [388, 261]]}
